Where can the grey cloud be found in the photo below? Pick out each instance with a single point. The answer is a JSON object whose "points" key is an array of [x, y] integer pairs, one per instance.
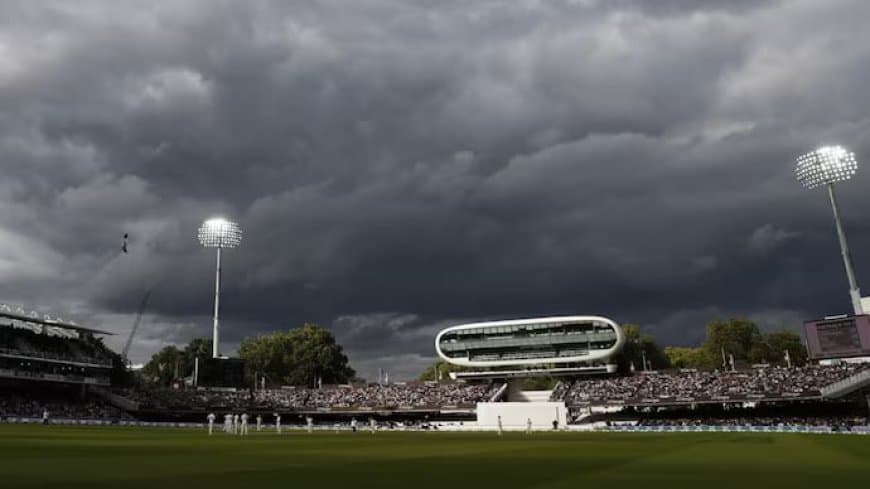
{"points": [[400, 166], [767, 238]]}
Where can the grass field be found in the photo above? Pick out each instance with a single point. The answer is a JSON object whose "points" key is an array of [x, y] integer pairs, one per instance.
{"points": [[122, 458]]}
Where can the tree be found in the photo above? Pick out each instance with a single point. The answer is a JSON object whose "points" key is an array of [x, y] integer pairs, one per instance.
{"points": [[298, 356], [778, 342], [685, 357], [440, 369], [199, 348], [164, 367], [640, 346], [739, 337]]}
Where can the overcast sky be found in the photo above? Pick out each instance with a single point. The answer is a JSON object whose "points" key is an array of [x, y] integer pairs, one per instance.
{"points": [[401, 166]]}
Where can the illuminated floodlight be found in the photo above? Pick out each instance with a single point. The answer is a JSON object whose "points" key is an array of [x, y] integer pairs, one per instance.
{"points": [[828, 164], [220, 233]]}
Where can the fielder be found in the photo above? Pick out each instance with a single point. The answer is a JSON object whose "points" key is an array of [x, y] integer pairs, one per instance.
{"points": [[244, 430], [210, 418]]}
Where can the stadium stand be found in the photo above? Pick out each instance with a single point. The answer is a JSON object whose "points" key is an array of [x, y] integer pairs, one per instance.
{"points": [[841, 421], [50, 366], [30, 400], [690, 386], [424, 394], [398, 395], [23, 342], [185, 399], [801, 415]]}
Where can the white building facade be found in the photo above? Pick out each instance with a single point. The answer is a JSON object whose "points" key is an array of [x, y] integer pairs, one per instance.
{"points": [[535, 342]]}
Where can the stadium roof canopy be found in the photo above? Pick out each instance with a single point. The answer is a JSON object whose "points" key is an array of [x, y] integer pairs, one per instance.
{"points": [[32, 317]]}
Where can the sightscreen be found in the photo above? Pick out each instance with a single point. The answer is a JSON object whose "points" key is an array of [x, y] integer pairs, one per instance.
{"points": [[841, 337]]}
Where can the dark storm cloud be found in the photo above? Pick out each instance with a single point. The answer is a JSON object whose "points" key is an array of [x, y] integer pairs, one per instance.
{"points": [[399, 166]]}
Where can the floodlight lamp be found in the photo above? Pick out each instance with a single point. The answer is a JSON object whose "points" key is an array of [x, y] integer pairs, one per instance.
{"points": [[220, 233], [825, 165]]}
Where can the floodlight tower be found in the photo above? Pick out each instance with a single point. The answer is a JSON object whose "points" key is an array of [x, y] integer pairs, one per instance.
{"points": [[219, 233], [826, 166]]}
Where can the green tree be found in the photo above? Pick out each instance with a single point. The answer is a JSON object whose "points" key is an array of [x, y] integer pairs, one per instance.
{"points": [[639, 346], [441, 368], [297, 356], [778, 342], [685, 357], [198, 348], [163, 366], [738, 336]]}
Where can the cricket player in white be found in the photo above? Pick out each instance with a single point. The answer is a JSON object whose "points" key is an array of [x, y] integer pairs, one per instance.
{"points": [[235, 424], [278, 423], [373, 425], [259, 422], [353, 425], [529, 426], [244, 430], [228, 423], [499, 426], [210, 418], [309, 421]]}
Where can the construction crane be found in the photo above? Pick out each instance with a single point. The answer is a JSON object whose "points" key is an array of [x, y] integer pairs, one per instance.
{"points": [[136, 322]]}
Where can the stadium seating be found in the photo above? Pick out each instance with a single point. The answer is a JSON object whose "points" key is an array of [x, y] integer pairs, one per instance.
{"points": [[410, 395], [28, 343], [30, 400], [840, 421], [699, 386]]}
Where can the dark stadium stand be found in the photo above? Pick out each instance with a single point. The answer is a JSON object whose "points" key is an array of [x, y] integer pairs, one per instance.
{"points": [[400, 395], [695, 387], [49, 366], [24, 342], [21, 399], [36, 353]]}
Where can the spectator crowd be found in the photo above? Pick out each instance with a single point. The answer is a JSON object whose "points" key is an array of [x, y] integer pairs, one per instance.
{"points": [[29, 343], [415, 395], [841, 421], [185, 399], [688, 385], [22, 406]]}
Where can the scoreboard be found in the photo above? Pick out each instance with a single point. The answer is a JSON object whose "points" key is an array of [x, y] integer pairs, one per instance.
{"points": [[838, 337]]}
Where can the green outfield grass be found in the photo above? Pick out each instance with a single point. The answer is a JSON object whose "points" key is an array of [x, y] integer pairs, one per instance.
{"points": [[125, 458]]}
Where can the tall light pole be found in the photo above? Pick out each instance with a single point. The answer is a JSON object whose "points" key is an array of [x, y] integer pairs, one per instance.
{"points": [[827, 166], [219, 233]]}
